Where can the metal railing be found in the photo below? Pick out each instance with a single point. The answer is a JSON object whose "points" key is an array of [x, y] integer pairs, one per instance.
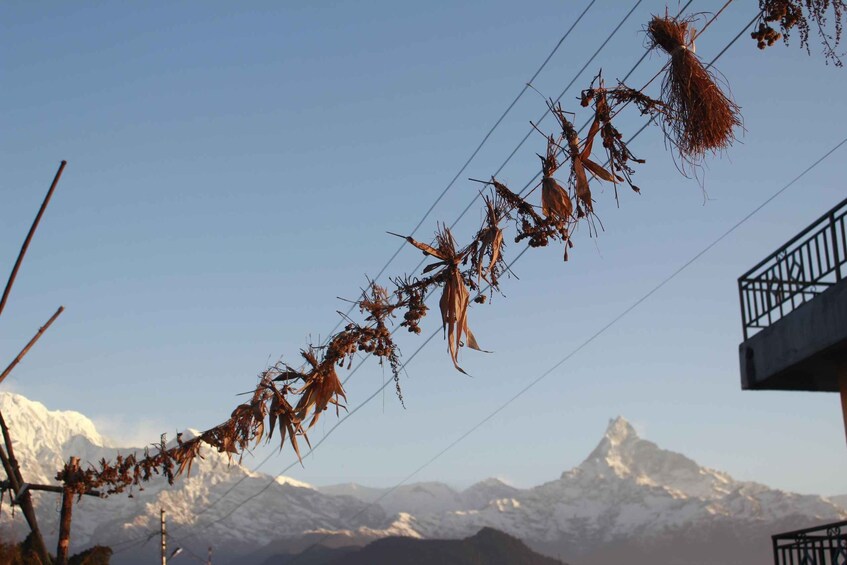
{"points": [[814, 260], [821, 545]]}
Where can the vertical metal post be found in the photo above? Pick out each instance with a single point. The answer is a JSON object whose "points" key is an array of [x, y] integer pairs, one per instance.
{"points": [[835, 254], [65, 517], [842, 385], [742, 300], [164, 537]]}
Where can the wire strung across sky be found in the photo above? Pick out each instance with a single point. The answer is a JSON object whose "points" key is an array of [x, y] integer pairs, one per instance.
{"points": [[573, 80], [476, 151], [558, 364], [500, 168]]}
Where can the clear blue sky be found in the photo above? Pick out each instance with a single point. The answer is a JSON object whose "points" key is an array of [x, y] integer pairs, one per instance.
{"points": [[233, 169]]}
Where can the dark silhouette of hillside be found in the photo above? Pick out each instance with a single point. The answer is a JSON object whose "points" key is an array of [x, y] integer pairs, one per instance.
{"points": [[487, 547]]}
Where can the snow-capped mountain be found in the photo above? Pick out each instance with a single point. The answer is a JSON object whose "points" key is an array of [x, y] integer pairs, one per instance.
{"points": [[628, 495], [253, 508]]}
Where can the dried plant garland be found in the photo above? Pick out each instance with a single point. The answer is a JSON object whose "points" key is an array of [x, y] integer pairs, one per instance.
{"points": [[704, 116], [286, 397]]}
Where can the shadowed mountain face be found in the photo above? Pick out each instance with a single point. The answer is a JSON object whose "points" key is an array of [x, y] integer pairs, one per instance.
{"points": [[487, 547]]}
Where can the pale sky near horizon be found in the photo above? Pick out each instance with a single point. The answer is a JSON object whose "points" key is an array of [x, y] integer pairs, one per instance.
{"points": [[233, 170]]}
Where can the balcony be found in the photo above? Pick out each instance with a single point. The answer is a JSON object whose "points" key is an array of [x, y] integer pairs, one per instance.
{"points": [[820, 545], [794, 312]]}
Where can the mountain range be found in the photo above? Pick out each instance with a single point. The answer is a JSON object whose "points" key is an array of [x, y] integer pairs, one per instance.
{"points": [[628, 498]]}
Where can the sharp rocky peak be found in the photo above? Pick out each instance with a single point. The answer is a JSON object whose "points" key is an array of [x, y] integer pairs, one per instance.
{"points": [[622, 454]]}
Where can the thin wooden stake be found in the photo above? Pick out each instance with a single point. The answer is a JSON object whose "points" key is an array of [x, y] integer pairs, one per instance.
{"points": [[29, 345], [65, 517], [24, 499], [32, 229]]}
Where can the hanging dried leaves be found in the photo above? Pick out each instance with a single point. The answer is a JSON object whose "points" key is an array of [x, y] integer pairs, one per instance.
{"points": [[791, 14], [704, 117], [487, 245], [455, 297], [606, 103]]}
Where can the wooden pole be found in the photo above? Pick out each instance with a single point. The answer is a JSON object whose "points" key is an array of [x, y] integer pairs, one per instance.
{"points": [[209, 561], [24, 499], [164, 537], [29, 345], [65, 516], [28, 239]]}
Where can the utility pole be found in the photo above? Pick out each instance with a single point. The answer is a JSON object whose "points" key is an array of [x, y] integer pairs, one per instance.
{"points": [[209, 561], [164, 537]]}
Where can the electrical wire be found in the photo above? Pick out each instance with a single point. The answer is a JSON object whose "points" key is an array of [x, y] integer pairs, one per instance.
{"points": [[596, 334], [476, 151], [426, 342], [514, 151]]}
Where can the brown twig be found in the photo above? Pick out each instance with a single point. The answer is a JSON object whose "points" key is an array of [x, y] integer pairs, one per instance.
{"points": [[13, 472], [32, 229], [29, 345]]}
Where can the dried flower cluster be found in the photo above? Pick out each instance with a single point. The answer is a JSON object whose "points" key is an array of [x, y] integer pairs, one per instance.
{"points": [[791, 14]]}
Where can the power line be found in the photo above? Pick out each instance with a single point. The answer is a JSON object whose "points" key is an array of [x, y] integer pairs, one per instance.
{"points": [[514, 151], [476, 151], [434, 333], [426, 342], [603, 329]]}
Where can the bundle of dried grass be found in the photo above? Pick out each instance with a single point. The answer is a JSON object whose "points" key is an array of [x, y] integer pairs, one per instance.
{"points": [[705, 117]]}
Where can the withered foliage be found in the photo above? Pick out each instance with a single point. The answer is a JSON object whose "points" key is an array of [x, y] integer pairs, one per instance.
{"points": [[606, 102], [704, 118], [288, 401], [486, 248], [531, 225], [455, 297], [791, 14]]}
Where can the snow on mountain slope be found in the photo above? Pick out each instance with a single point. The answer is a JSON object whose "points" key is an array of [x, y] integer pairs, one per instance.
{"points": [[840, 500], [45, 439], [626, 489], [417, 498]]}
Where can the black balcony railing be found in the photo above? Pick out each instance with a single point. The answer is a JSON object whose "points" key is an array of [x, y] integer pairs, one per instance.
{"points": [[810, 263], [821, 545]]}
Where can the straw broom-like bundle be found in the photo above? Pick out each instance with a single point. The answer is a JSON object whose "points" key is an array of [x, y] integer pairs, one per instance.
{"points": [[704, 117]]}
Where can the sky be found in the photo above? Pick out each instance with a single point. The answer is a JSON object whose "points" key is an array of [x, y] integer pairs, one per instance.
{"points": [[233, 170]]}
